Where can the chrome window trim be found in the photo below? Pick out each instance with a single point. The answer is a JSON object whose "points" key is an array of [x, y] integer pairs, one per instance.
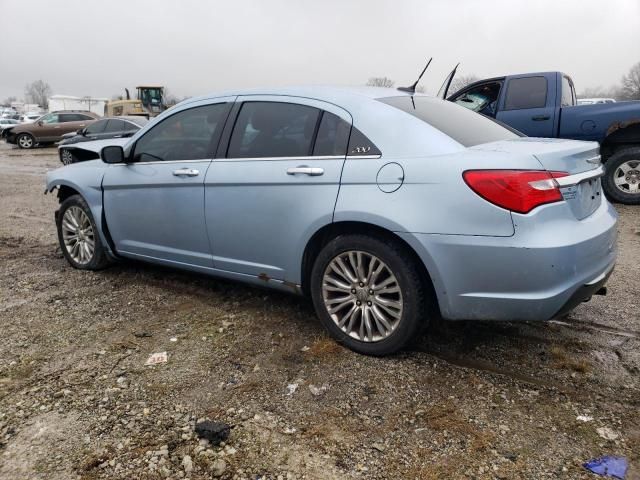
{"points": [[303, 157], [307, 157], [163, 162], [571, 180]]}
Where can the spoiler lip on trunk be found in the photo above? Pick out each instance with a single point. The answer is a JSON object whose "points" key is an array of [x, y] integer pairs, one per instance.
{"points": [[576, 178]]}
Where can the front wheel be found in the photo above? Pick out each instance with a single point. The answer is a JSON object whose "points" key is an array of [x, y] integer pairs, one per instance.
{"points": [[78, 235], [25, 140], [621, 182], [66, 156], [368, 293]]}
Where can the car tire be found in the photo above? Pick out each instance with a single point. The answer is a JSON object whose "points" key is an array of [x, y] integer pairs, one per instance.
{"points": [[372, 324], [621, 182], [25, 141], [78, 236], [67, 157]]}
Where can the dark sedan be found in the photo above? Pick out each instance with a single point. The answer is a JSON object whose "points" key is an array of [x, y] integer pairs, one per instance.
{"points": [[108, 127]]}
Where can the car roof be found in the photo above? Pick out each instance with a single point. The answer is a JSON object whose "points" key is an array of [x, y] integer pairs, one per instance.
{"points": [[332, 94]]}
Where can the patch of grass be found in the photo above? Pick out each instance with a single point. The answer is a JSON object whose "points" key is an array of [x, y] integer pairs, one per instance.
{"points": [[563, 361], [324, 347]]}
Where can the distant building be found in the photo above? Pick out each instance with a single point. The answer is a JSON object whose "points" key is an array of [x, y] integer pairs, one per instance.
{"points": [[67, 102]]}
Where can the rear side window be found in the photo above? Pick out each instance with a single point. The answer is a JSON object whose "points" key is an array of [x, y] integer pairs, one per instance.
{"points": [[273, 129], [131, 127], [529, 92], [464, 126], [187, 135], [333, 136], [97, 127], [115, 126], [359, 144]]}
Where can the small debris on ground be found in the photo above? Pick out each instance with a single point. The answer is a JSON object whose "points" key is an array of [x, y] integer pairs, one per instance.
{"points": [[608, 466], [584, 418], [291, 388], [607, 433], [156, 358], [215, 432]]}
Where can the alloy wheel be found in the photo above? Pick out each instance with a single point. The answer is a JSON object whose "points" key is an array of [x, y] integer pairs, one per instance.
{"points": [[362, 296], [627, 177], [25, 141], [67, 157], [78, 235]]}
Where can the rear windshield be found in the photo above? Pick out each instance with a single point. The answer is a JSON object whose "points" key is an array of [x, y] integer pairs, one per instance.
{"points": [[464, 126]]}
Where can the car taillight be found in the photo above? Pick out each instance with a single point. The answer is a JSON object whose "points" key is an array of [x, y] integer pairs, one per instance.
{"points": [[516, 190]]}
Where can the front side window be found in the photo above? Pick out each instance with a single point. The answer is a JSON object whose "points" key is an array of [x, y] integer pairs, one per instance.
{"points": [[482, 99], [529, 92], [96, 127], [273, 129], [186, 135], [462, 125], [333, 136], [51, 118]]}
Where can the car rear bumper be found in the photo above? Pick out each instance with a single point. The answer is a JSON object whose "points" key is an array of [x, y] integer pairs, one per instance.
{"points": [[537, 274]]}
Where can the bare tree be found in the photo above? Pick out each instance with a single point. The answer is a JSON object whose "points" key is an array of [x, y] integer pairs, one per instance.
{"points": [[459, 82], [9, 100], [380, 82], [631, 83], [38, 92]]}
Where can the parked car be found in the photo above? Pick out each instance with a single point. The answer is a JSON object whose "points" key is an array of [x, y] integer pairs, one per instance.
{"points": [[49, 128], [591, 101], [107, 127], [9, 113], [85, 151], [30, 117], [388, 209], [544, 105], [7, 123]]}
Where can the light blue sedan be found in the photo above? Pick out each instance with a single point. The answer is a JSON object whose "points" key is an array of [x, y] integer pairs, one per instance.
{"points": [[387, 208]]}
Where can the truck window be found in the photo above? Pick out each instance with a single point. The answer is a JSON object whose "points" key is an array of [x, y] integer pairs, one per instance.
{"points": [[528, 92], [568, 95], [482, 98]]}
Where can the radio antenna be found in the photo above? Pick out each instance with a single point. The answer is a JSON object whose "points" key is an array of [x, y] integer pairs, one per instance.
{"points": [[412, 88]]}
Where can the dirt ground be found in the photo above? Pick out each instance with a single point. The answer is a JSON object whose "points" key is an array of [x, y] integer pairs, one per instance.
{"points": [[470, 400]]}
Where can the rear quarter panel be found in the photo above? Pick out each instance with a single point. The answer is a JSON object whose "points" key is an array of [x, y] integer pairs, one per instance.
{"points": [[595, 122]]}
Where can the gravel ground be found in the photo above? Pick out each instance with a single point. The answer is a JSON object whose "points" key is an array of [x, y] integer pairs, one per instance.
{"points": [[470, 400]]}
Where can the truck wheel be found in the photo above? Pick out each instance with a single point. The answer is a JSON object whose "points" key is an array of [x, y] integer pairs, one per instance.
{"points": [[621, 182], [25, 140]]}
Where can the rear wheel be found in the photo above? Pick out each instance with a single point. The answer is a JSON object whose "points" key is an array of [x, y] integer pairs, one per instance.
{"points": [[25, 140], [78, 235], [622, 179], [368, 294]]}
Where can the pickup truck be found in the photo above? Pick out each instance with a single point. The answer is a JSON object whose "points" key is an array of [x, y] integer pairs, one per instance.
{"points": [[544, 105]]}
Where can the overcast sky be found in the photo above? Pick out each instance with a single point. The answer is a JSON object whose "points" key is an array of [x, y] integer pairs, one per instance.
{"points": [[90, 47]]}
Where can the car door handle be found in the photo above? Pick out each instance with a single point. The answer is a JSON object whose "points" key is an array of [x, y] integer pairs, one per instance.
{"points": [[186, 172], [540, 118], [305, 170], [117, 136]]}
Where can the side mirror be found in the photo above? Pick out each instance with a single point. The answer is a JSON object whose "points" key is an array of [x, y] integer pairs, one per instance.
{"points": [[112, 154], [82, 131], [40, 123]]}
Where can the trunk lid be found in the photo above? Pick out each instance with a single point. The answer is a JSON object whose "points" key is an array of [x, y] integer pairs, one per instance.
{"points": [[581, 189]]}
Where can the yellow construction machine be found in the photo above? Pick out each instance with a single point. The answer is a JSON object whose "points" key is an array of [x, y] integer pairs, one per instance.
{"points": [[149, 103]]}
